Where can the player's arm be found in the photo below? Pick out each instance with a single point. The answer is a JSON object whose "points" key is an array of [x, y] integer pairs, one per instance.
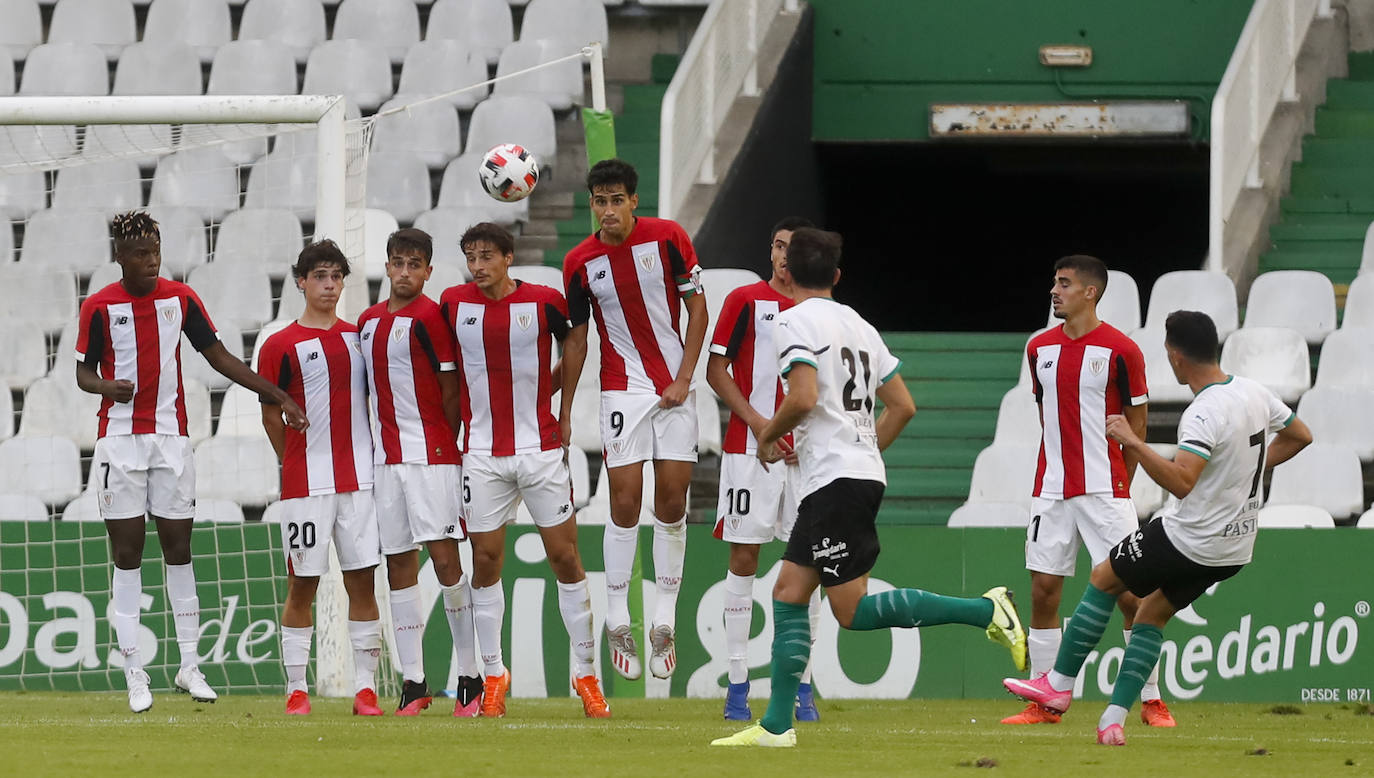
{"points": [[275, 427], [450, 397], [697, 320], [718, 376], [1288, 442], [574, 355], [237, 370], [1178, 476], [898, 409], [803, 390], [1137, 416], [121, 391], [90, 345]]}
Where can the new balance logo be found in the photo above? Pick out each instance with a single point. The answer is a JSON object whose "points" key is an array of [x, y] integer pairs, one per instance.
{"points": [[367, 335], [121, 321], [1047, 365], [449, 529], [313, 355], [470, 320], [564, 508], [768, 316], [600, 274]]}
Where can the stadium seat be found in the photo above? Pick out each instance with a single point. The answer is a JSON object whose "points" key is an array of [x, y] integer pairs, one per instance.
{"points": [[23, 353], [1119, 306], [1301, 300], [202, 179], [194, 367], [429, 132], [1323, 474], [56, 406], [1367, 252], [1018, 419], [141, 143], [435, 67], [1147, 495], [297, 24], [21, 194], [268, 330], [1274, 356], [203, 24], [109, 186], [570, 24], [1366, 520], [1024, 379], [398, 182], [6, 414], [586, 410], [7, 82], [6, 241], [377, 228], [291, 304], [539, 274], [183, 239], [218, 512], [483, 25], [1359, 302], [708, 419], [253, 67], [395, 24], [242, 469], [23, 28], [1347, 359], [990, 514], [1295, 517], [443, 276], [272, 513], [1341, 415], [1004, 474], [283, 180], [25, 143], [47, 467], [520, 120], [240, 414], [198, 426], [65, 69], [719, 282], [460, 188], [163, 67], [83, 508], [15, 506], [270, 238], [1208, 291], [560, 85], [234, 294], [1159, 376], [71, 239], [446, 225], [63, 362], [357, 69], [42, 296], [108, 24]]}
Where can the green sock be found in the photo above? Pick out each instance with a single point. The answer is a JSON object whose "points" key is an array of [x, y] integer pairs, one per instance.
{"points": [[1142, 652], [1085, 629], [791, 650], [916, 608]]}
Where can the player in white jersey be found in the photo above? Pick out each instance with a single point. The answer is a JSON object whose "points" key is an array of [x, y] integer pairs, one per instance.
{"points": [[756, 504], [1203, 535], [835, 366]]}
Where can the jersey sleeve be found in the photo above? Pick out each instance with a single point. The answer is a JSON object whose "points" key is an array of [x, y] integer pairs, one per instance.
{"points": [[731, 325], [90, 335], [274, 366], [556, 312], [1197, 432], [885, 363], [579, 294], [196, 324], [683, 260], [1280, 415], [796, 345], [434, 327], [1130, 374], [1035, 379]]}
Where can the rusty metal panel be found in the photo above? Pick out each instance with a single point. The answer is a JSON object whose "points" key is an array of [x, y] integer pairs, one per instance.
{"points": [[1044, 120]]}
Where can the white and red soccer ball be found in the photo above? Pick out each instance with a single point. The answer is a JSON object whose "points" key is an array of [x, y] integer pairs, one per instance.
{"points": [[508, 172]]}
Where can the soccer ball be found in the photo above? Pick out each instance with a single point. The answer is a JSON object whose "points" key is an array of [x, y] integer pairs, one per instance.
{"points": [[508, 172]]}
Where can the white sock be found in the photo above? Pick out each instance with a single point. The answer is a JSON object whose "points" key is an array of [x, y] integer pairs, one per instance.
{"points": [[739, 616], [1150, 691], [618, 550], [409, 626], [1043, 647], [670, 549], [366, 637], [814, 613], [181, 591], [126, 589], [295, 655], [575, 605], [488, 613], [458, 608], [1114, 714]]}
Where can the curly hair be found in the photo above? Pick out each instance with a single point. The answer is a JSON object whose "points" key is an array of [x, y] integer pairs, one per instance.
{"points": [[134, 225]]}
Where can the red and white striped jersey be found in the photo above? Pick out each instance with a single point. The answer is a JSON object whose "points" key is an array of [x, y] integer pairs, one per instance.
{"points": [[505, 361], [635, 290], [405, 351], [323, 371], [138, 339], [745, 334], [1078, 383]]}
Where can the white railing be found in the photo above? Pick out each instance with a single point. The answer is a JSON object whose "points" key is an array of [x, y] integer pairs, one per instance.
{"points": [[1261, 74], [720, 64]]}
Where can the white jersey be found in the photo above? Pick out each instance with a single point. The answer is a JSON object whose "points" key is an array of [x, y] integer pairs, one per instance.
{"points": [[1228, 424], [838, 438]]}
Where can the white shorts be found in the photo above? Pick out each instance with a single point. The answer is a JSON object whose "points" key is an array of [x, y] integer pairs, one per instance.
{"points": [[494, 486], [634, 429], [146, 473], [755, 505], [417, 504], [1057, 527], [308, 524]]}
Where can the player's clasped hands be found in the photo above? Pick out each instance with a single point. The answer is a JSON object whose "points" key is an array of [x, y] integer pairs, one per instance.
{"points": [[1119, 429], [769, 453]]}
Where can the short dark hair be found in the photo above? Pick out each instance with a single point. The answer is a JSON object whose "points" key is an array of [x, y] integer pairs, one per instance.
{"points": [[789, 224], [494, 234], [609, 172], [1090, 270], [321, 252], [411, 239], [812, 257], [1194, 335], [133, 225]]}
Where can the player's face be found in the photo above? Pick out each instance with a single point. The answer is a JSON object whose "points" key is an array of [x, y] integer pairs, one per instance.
{"points": [[779, 255], [140, 258], [614, 209], [1069, 295], [322, 287], [489, 266], [408, 270]]}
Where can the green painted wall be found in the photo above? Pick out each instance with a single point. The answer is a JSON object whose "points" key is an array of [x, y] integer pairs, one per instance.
{"points": [[878, 65]]}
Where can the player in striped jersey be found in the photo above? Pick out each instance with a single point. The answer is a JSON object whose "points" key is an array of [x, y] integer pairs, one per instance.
{"points": [[1083, 371], [505, 330], [634, 274], [326, 474], [756, 504], [128, 351], [413, 386]]}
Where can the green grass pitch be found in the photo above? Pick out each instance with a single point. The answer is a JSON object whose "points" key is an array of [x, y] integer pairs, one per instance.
{"points": [[60, 734]]}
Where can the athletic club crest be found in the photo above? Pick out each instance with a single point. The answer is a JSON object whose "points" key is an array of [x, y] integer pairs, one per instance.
{"points": [[524, 320], [1097, 365], [169, 314], [107, 498], [397, 333], [646, 261]]}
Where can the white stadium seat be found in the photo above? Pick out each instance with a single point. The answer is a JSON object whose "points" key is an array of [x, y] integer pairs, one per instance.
{"points": [[1359, 302], [1119, 306], [21, 193], [1347, 359], [1366, 520], [1301, 300], [139, 143], [377, 228], [203, 24], [198, 422], [1210, 292], [525, 121], [1025, 377], [719, 282], [1018, 419], [1274, 356], [22, 507], [24, 353], [394, 24], [434, 67], [234, 293], [67, 69], [460, 188], [270, 238], [1325, 475], [6, 241], [571, 24], [398, 182], [1367, 253], [560, 85], [990, 514], [46, 467], [194, 366], [42, 296], [291, 303], [483, 25], [1159, 376], [24, 143], [83, 508], [218, 512], [1004, 473], [23, 28], [108, 24], [109, 186], [429, 132], [1147, 495], [1341, 415], [586, 410], [7, 82], [283, 180], [6, 414], [183, 239], [71, 239], [297, 24], [268, 330], [446, 225], [56, 406], [242, 469], [202, 179], [64, 363], [357, 69], [539, 274], [708, 420], [1295, 517], [253, 67]]}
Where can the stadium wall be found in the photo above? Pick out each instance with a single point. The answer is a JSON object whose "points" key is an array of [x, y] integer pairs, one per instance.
{"points": [[1255, 638], [880, 64]]}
